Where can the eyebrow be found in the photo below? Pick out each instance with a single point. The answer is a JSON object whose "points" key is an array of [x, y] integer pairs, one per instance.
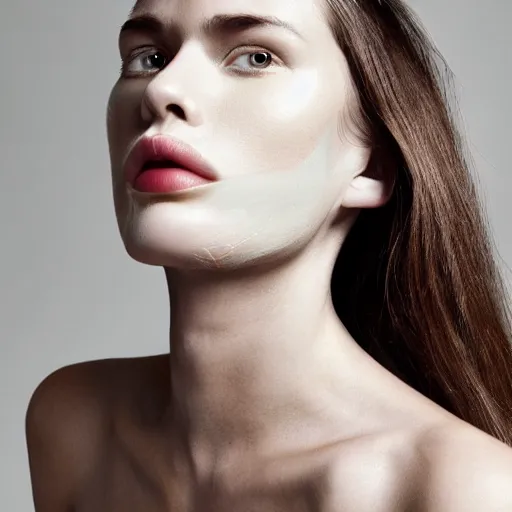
{"points": [[221, 24]]}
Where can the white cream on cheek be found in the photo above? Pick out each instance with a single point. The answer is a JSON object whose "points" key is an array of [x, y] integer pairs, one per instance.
{"points": [[243, 217]]}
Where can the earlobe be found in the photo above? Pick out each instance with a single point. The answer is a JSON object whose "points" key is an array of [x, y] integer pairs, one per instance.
{"points": [[366, 192], [374, 187]]}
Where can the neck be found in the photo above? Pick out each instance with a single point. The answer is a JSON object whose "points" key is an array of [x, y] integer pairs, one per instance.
{"points": [[260, 362]]}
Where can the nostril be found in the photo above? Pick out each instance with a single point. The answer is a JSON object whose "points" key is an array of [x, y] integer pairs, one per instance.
{"points": [[177, 110]]}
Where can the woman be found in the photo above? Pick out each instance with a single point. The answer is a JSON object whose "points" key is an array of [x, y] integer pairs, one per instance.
{"points": [[249, 142]]}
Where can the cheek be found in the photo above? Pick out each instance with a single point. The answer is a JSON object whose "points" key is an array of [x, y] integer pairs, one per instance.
{"points": [[122, 121], [279, 124], [123, 112]]}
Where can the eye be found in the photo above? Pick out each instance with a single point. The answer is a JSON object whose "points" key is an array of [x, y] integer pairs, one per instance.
{"points": [[256, 60], [144, 63]]}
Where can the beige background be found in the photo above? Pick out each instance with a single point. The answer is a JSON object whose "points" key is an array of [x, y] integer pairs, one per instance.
{"points": [[68, 291]]}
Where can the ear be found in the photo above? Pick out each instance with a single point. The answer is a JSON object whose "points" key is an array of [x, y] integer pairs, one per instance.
{"points": [[373, 187]]}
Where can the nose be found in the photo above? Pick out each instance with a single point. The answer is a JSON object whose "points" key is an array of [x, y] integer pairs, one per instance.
{"points": [[170, 93]]}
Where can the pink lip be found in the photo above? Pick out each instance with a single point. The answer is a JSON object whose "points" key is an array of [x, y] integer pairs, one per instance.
{"points": [[164, 147]]}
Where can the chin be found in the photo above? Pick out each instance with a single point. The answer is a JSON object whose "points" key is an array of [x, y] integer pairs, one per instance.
{"points": [[185, 245], [195, 237], [162, 235], [206, 251], [145, 246]]}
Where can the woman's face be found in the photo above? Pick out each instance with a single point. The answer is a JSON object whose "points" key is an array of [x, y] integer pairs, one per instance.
{"points": [[261, 103]]}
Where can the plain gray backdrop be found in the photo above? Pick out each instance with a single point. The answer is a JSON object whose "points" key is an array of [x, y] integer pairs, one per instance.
{"points": [[68, 291]]}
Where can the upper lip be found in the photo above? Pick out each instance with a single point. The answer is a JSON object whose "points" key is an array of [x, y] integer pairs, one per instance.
{"points": [[164, 147]]}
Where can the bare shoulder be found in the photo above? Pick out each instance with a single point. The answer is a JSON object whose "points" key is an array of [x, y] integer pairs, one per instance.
{"points": [[465, 469], [448, 467], [66, 426], [377, 473]]}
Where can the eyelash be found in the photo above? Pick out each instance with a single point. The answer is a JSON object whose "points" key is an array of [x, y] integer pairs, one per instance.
{"points": [[151, 51]]}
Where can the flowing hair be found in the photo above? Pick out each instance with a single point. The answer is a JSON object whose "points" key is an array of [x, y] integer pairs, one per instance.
{"points": [[415, 282]]}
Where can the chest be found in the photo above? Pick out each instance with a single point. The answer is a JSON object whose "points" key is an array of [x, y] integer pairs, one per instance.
{"points": [[125, 487], [123, 483]]}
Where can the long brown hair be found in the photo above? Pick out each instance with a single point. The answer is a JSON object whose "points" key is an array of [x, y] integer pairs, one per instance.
{"points": [[416, 283]]}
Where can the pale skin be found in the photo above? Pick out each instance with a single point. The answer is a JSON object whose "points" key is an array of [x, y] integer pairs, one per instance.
{"points": [[266, 403]]}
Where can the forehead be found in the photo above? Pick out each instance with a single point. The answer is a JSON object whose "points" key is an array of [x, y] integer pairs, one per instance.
{"points": [[305, 15]]}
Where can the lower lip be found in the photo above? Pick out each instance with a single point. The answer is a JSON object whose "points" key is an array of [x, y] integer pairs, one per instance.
{"points": [[162, 181]]}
